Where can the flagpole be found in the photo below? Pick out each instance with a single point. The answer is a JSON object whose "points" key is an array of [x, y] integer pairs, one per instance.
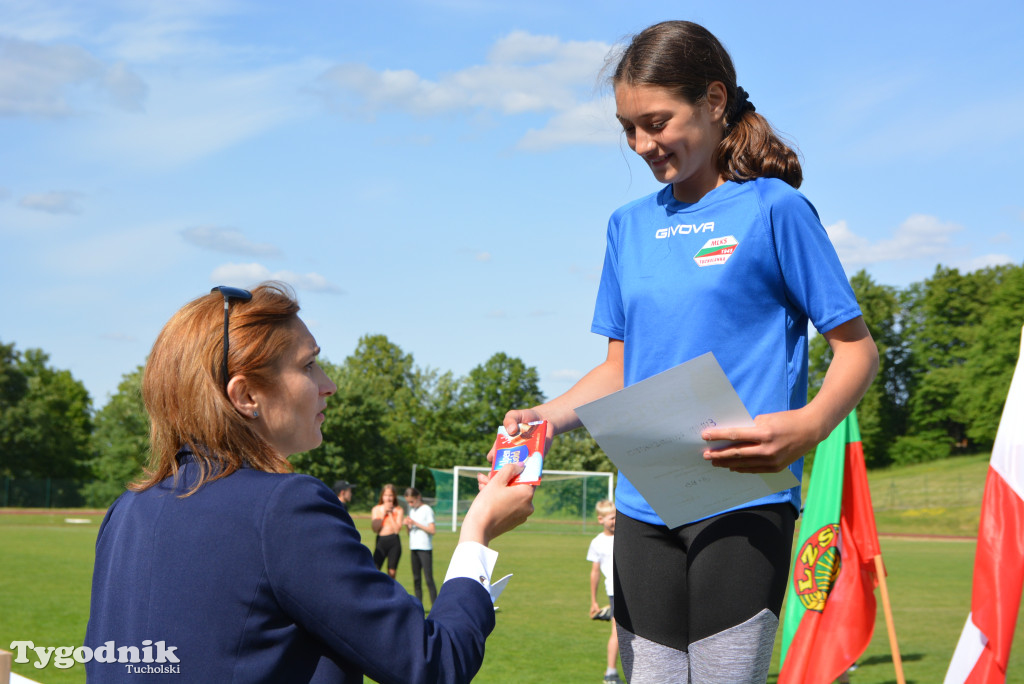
{"points": [[897, 661]]}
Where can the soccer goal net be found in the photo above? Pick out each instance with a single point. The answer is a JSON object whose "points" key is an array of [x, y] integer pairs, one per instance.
{"points": [[563, 497]]}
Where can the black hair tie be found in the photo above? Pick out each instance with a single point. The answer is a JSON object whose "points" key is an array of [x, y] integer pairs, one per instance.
{"points": [[741, 105]]}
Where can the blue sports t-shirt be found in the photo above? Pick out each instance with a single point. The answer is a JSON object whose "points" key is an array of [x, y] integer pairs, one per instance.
{"points": [[739, 273]]}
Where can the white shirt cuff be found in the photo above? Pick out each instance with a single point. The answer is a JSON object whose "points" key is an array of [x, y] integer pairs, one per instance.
{"points": [[476, 562]]}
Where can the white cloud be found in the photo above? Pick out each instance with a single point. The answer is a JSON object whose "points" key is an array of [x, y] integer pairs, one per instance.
{"points": [[522, 47], [37, 21], [134, 31], [194, 114], [482, 256], [125, 89], [250, 275], [311, 282], [240, 275], [230, 240], [918, 237], [589, 123], [45, 80], [984, 261], [523, 73], [56, 202], [565, 375], [170, 31]]}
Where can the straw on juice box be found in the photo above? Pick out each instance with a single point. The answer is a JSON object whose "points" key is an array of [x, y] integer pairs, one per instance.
{"points": [[526, 447]]}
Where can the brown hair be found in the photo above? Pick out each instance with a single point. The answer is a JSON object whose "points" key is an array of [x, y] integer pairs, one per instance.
{"points": [[185, 394], [686, 58], [384, 489]]}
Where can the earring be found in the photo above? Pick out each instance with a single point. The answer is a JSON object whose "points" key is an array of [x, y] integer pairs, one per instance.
{"points": [[255, 414]]}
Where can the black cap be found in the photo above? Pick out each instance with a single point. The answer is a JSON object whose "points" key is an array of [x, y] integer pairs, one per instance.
{"points": [[342, 485]]}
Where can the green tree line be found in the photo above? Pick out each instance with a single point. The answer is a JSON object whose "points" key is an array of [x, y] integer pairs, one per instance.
{"points": [[948, 347], [387, 415]]}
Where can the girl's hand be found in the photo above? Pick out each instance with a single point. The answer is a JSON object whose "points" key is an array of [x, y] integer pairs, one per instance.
{"points": [[778, 439], [775, 441], [512, 421]]}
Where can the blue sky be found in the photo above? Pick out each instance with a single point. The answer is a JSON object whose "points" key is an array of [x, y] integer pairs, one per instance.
{"points": [[442, 171]]}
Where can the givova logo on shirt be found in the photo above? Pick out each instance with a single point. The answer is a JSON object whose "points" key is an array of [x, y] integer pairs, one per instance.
{"points": [[684, 229], [716, 251]]}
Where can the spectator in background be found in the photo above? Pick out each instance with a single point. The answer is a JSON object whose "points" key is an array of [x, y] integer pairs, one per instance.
{"points": [[420, 522], [600, 554], [386, 519], [343, 490]]}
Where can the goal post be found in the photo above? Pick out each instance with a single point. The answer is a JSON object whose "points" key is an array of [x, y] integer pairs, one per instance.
{"points": [[563, 495]]}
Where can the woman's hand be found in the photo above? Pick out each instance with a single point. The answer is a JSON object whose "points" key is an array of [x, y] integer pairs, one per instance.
{"points": [[498, 507]]}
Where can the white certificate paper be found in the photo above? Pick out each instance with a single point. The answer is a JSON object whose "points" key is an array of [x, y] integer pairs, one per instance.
{"points": [[651, 432]]}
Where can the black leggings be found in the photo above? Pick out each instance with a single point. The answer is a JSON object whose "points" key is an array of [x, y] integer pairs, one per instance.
{"points": [[389, 546], [423, 560], [678, 586]]}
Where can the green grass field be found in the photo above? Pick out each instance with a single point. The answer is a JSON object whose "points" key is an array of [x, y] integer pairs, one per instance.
{"points": [[543, 634]]}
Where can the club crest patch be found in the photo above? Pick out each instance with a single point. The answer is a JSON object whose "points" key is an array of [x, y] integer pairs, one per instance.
{"points": [[716, 251], [816, 567]]}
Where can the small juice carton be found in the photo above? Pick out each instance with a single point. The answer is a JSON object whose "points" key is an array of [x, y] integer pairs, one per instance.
{"points": [[526, 447]]}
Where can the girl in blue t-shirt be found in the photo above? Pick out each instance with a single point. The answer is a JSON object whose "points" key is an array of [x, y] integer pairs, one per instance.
{"points": [[730, 258]]}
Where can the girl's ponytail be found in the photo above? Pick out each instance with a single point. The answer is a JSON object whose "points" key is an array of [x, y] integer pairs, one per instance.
{"points": [[752, 149]]}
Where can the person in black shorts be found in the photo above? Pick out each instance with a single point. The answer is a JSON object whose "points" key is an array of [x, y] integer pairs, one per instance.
{"points": [[386, 519]]}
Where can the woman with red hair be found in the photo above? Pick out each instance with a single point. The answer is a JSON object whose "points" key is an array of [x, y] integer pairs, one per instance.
{"points": [[222, 565]]}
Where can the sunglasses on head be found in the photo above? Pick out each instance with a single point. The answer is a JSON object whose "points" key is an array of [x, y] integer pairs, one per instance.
{"points": [[229, 294]]}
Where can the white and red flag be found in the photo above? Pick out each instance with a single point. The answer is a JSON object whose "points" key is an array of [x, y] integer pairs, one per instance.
{"points": [[983, 651]]}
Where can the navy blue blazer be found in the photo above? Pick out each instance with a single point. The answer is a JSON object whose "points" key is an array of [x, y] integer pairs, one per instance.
{"points": [[262, 577]]}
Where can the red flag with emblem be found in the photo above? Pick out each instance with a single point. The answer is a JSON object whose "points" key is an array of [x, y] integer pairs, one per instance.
{"points": [[830, 604]]}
